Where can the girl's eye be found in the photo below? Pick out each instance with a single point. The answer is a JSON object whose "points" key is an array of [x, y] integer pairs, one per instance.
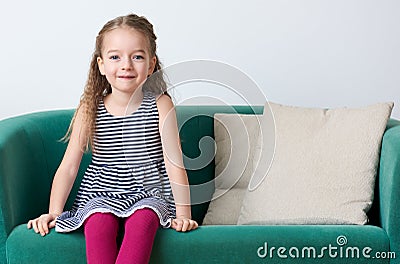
{"points": [[138, 57], [114, 57]]}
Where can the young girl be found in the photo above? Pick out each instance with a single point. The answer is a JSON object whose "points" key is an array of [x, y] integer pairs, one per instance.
{"points": [[136, 176]]}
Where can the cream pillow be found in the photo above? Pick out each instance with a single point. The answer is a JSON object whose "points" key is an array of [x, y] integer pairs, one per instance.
{"points": [[324, 166], [235, 138]]}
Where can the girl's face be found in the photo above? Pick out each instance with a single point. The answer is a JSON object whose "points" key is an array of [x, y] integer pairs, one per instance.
{"points": [[125, 59]]}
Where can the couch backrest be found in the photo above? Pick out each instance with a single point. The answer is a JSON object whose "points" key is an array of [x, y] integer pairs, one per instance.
{"points": [[31, 150]]}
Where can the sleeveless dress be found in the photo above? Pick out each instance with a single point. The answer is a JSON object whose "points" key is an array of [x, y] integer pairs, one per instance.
{"points": [[127, 171]]}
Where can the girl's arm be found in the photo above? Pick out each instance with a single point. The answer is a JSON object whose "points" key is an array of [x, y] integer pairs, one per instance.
{"points": [[64, 177], [174, 164]]}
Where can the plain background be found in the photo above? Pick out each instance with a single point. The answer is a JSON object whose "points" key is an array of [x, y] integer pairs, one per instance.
{"points": [[313, 53]]}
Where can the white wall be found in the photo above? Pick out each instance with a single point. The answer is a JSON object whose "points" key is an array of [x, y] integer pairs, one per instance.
{"points": [[316, 53]]}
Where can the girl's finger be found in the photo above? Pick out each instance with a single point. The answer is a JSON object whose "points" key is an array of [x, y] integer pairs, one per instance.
{"points": [[40, 227], [34, 225], [178, 225], [52, 223], [185, 225], [193, 225], [45, 228]]}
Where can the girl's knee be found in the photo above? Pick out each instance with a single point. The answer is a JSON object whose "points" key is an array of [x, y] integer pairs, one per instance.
{"points": [[149, 215], [101, 225], [144, 217]]}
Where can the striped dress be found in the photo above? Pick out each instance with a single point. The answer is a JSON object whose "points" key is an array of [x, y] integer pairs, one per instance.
{"points": [[127, 171]]}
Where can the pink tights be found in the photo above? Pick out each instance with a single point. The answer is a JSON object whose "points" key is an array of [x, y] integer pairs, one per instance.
{"points": [[101, 231]]}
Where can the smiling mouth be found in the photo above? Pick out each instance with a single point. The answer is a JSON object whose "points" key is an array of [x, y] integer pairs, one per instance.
{"points": [[128, 77]]}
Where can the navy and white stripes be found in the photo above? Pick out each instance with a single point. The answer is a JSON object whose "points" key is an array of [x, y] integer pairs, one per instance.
{"points": [[127, 171]]}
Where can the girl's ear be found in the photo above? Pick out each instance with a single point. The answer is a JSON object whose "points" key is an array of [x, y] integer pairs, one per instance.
{"points": [[152, 64], [100, 64]]}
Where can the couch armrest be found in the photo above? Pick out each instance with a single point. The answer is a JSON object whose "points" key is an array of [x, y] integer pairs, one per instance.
{"points": [[24, 181], [30, 153], [389, 185]]}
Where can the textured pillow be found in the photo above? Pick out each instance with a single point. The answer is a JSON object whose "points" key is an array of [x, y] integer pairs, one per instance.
{"points": [[235, 137], [324, 166]]}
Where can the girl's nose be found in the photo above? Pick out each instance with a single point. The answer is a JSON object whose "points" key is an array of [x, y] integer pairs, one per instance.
{"points": [[127, 64]]}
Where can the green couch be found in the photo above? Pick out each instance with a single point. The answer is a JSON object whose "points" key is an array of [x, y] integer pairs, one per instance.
{"points": [[30, 152]]}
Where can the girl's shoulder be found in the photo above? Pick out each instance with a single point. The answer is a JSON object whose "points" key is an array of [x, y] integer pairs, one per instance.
{"points": [[166, 110], [164, 102]]}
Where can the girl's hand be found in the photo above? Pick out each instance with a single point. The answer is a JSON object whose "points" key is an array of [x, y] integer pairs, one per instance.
{"points": [[43, 223], [182, 224]]}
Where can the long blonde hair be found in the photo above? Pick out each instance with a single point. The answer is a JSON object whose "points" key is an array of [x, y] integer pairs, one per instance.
{"points": [[97, 85]]}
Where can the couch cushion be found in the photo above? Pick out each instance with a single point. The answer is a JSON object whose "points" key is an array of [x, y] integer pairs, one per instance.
{"points": [[218, 244], [25, 246], [239, 244], [324, 166]]}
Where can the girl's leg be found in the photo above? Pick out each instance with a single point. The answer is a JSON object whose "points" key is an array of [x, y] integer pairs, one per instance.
{"points": [[100, 234], [140, 230]]}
